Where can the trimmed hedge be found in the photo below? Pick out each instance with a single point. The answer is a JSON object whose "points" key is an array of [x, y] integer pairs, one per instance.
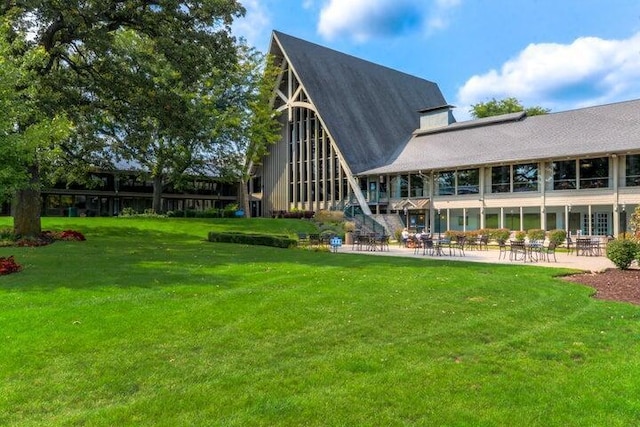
{"points": [[277, 241]]}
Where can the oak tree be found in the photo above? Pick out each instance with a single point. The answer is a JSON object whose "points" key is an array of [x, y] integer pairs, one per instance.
{"points": [[157, 84]]}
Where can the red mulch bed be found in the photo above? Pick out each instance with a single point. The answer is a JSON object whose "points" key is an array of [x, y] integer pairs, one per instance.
{"points": [[612, 284]]}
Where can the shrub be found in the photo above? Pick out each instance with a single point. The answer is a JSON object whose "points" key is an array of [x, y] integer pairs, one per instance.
{"points": [[8, 265], [622, 253], [535, 234], [72, 235], [453, 234], [349, 226], [329, 216], [520, 236], [6, 234], [557, 236], [634, 224], [127, 212], [500, 234]]}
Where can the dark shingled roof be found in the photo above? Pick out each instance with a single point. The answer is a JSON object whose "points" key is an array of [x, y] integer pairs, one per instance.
{"points": [[370, 110], [592, 131]]}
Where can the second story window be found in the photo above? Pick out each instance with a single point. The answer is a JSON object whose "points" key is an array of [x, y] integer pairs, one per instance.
{"points": [[525, 177], [564, 175], [594, 173]]}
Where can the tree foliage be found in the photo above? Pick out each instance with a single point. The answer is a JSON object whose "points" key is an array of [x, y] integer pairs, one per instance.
{"points": [[496, 107], [161, 85], [26, 135]]}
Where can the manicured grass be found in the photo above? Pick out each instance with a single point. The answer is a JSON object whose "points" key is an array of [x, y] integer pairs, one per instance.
{"points": [[145, 323]]}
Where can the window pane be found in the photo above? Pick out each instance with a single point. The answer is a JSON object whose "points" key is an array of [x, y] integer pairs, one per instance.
{"points": [[404, 185], [564, 175], [417, 186], [525, 177], [395, 187], [468, 181], [594, 173], [500, 179], [633, 170], [446, 183]]}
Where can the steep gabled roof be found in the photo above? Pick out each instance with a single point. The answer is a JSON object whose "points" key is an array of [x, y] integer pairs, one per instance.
{"points": [[592, 131], [370, 110]]}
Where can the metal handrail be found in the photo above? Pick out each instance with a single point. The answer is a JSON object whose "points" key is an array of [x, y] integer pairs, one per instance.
{"points": [[366, 221]]}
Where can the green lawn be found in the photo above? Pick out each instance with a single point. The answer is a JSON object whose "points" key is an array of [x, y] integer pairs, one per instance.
{"points": [[147, 324]]}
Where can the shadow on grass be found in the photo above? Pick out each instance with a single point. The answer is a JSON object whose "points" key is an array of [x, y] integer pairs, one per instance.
{"points": [[148, 258]]}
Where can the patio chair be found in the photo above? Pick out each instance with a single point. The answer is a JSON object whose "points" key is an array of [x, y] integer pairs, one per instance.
{"points": [[416, 243], [427, 246], [459, 244], [548, 251], [483, 241], [570, 244], [314, 240], [384, 242], [518, 251], [502, 246], [303, 239]]}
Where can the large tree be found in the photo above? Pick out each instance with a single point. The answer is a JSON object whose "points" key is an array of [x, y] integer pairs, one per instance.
{"points": [[27, 137], [258, 129], [496, 107], [135, 77]]}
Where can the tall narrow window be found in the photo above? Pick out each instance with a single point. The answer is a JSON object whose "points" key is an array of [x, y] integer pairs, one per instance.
{"points": [[417, 186], [468, 181], [594, 173], [446, 183], [633, 170], [564, 175], [525, 177], [404, 185], [501, 179]]}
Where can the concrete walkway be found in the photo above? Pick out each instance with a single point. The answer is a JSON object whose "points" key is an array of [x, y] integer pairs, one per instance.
{"points": [[586, 263]]}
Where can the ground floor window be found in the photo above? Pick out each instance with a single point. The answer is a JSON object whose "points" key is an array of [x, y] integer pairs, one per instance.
{"points": [[599, 223]]}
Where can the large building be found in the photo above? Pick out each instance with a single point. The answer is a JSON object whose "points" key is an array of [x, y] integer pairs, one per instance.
{"points": [[111, 192], [358, 134]]}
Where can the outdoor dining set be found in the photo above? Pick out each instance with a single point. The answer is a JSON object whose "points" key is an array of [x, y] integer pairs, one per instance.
{"points": [[372, 242], [512, 250], [443, 245]]}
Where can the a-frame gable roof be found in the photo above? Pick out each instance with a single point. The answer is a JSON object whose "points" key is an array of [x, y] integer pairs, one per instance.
{"points": [[370, 110]]}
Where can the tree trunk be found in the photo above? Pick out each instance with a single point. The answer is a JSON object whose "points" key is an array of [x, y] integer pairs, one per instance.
{"points": [[26, 207], [157, 194], [243, 196]]}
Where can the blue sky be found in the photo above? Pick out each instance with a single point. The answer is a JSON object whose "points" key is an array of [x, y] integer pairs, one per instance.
{"points": [[557, 54]]}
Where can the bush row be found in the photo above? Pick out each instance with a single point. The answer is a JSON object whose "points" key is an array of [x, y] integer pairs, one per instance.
{"points": [[209, 213], [278, 241], [504, 234]]}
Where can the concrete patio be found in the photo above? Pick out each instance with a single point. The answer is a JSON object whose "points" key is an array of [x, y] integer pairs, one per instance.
{"points": [[586, 263]]}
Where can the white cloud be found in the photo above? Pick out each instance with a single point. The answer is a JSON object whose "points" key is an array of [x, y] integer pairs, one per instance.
{"points": [[440, 16], [588, 71], [255, 24], [365, 19]]}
